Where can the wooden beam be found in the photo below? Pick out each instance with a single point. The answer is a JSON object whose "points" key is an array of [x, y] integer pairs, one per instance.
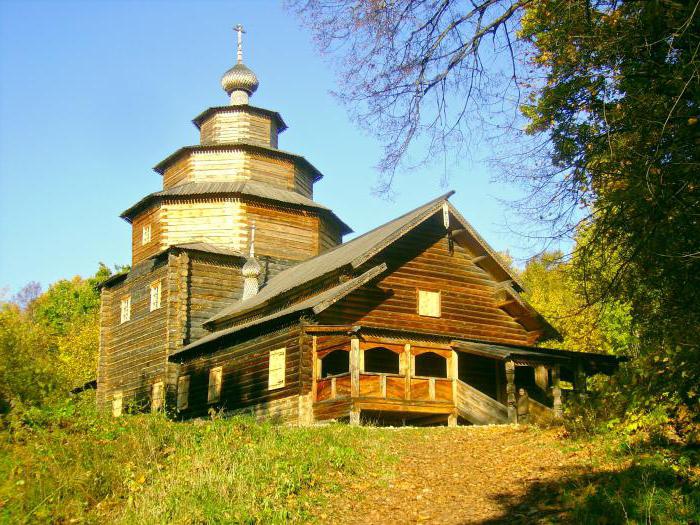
{"points": [[354, 366], [479, 258]]}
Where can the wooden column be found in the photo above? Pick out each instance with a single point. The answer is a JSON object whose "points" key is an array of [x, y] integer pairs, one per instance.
{"points": [[315, 371], [408, 370], [556, 391], [454, 375], [510, 392], [354, 378]]}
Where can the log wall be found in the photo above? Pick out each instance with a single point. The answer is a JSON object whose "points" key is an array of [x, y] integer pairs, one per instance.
{"points": [[235, 165], [245, 367], [133, 353], [238, 126], [140, 251]]}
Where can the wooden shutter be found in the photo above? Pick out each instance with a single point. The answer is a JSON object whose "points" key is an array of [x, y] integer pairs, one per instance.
{"points": [[428, 303], [183, 392], [214, 393], [277, 369]]}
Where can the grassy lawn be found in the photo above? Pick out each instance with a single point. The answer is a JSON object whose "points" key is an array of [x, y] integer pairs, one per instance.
{"points": [[70, 465]]}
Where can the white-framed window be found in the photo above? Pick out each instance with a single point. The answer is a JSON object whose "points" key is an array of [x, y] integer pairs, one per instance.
{"points": [[155, 295], [429, 303], [214, 392], [117, 404], [277, 369], [183, 392], [157, 396], [126, 309], [146, 234]]}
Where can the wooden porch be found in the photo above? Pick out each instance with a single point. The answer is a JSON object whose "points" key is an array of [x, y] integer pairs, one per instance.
{"points": [[380, 380]]}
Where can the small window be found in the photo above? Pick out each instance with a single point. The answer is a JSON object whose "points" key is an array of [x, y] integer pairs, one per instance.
{"points": [[277, 369], [126, 309], [428, 303], [155, 295], [117, 404], [214, 393], [157, 396], [183, 392], [146, 234]]}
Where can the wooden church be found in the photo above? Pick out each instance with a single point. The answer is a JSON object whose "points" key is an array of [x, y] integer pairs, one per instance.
{"points": [[242, 296]]}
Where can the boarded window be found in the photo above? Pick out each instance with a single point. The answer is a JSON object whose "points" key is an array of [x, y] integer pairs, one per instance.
{"points": [[277, 369], [157, 396], [117, 404], [183, 392], [428, 303], [146, 234], [126, 309], [155, 295], [214, 393]]}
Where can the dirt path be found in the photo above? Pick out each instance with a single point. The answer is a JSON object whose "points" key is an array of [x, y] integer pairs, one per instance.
{"points": [[464, 475]]}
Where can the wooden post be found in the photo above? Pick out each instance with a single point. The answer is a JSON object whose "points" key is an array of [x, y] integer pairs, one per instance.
{"points": [[452, 419], [354, 366], [510, 391], [354, 416], [316, 369], [333, 388], [408, 370], [382, 385], [431, 388], [454, 374], [556, 391]]}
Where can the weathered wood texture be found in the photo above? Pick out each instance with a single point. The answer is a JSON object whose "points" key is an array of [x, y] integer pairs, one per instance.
{"points": [[478, 408], [245, 373], [422, 260], [284, 233], [217, 221], [237, 164], [139, 250], [133, 353], [238, 126], [226, 221]]}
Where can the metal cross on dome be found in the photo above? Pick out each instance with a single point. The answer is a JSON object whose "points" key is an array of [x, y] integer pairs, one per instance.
{"points": [[239, 29]]}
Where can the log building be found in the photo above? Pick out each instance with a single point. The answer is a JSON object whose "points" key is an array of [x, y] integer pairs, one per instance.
{"points": [[243, 297]]}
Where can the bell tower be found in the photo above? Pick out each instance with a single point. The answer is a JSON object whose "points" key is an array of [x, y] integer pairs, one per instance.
{"points": [[236, 176]]}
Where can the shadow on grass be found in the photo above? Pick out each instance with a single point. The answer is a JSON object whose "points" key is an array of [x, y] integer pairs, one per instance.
{"points": [[647, 491]]}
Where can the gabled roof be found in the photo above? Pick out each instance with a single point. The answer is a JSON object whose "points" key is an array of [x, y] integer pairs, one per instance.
{"points": [[316, 304], [352, 253], [247, 146], [243, 187]]}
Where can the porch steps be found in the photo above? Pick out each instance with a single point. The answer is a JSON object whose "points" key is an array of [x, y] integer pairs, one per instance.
{"points": [[478, 408]]}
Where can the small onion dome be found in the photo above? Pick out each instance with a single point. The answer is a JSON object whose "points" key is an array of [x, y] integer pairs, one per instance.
{"points": [[239, 78], [251, 268]]}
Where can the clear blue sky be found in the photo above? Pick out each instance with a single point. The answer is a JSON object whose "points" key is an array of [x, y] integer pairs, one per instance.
{"points": [[95, 93]]}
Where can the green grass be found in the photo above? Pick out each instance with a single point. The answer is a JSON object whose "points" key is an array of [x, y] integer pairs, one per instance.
{"points": [[70, 465]]}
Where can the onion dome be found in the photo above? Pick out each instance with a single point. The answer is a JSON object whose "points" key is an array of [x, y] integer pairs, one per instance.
{"points": [[239, 82], [239, 78], [251, 268]]}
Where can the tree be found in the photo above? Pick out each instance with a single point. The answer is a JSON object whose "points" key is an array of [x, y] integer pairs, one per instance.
{"points": [[610, 153], [49, 345]]}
